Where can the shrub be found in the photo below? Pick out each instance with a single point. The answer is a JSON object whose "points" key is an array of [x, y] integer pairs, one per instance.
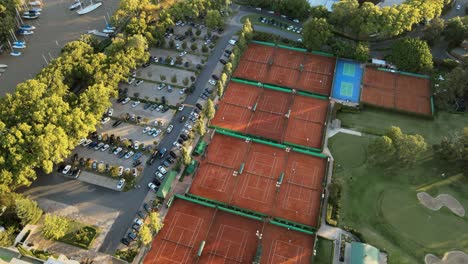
{"points": [[194, 46], [192, 78], [162, 77], [174, 78], [204, 48], [185, 81], [198, 32], [171, 44], [178, 61]]}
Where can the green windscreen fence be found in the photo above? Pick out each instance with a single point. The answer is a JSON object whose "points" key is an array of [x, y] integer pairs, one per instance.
{"points": [[191, 167], [200, 148], [166, 185]]}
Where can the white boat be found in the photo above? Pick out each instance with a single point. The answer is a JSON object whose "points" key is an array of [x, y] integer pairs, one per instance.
{"points": [[27, 27], [2, 70], [31, 13], [3, 66], [15, 53], [21, 43], [35, 9], [108, 26], [97, 33], [75, 5], [89, 8], [29, 16], [25, 32], [17, 46], [106, 30], [35, 3]]}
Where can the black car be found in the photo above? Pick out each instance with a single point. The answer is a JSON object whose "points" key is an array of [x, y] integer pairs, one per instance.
{"points": [[120, 99], [136, 163], [165, 108], [173, 154], [145, 65], [228, 52], [147, 106], [215, 77], [156, 182], [182, 119], [150, 161], [123, 153], [92, 145], [155, 153], [125, 241], [60, 168], [184, 137], [196, 110], [141, 214], [147, 207], [136, 227], [116, 123], [223, 61], [132, 236], [180, 141], [199, 106]]}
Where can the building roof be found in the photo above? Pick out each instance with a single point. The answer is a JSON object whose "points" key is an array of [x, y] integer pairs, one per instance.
{"points": [[364, 254]]}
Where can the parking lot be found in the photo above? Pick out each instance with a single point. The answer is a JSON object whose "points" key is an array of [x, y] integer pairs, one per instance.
{"points": [[149, 91], [155, 72], [192, 58]]}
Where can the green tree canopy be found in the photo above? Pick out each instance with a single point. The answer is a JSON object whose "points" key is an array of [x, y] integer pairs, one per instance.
{"points": [[209, 109], [381, 150], [433, 30], [214, 19], [316, 33], [408, 148], [456, 30], [28, 211], [412, 54], [454, 86], [156, 223], [54, 226], [145, 235]]}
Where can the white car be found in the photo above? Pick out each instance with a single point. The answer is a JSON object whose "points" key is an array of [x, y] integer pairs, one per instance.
{"points": [[181, 107], [66, 169], [83, 140], [232, 42], [139, 82], [160, 107], [183, 53], [121, 170], [121, 182], [117, 151], [172, 62], [159, 175], [138, 221], [105, 120], [212, 82], [110, 112], [135, 103], [258, 9], [169, 128], [458, 7], [87, 142], [100, 145], [270, 12], [146, 130], [182, 91], [152, 186], [177, 145], [136, 144], [106, 146], [162, 170], [161, 86], [134, 172], [126, 100], [296, 20], [129, 154], [157, 132], [131, 80], [152, 131], [189, 127], [299, 40]]}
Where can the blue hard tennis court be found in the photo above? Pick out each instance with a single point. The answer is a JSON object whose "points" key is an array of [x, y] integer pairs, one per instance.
{"points": [[347, 82]]}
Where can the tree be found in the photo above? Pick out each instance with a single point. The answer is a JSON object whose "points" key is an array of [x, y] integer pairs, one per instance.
{"points": [[186, 158], [412, 54], [316, 33], [294, 8], [220, 89], [209, 109], [174, 78], [28, 211], [433, 30], [454, 87], [7, 237], [54, 226], [204, 48], [247, 29], [450, 148], [362, 52], [319, 12], [214, 19], [200, 127], [145, 235], [407, 147], [185, 81], [381, 150], [456, 30], [184, 45], [156, 223], [194, 46]]}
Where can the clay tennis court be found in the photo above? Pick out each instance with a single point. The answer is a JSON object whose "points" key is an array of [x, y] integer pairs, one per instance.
{"points": [[254, 188], [288, 68], [397, 91], [229, 238], [262, 112]]}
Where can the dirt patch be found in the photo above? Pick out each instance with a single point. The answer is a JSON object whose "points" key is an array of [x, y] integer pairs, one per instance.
{"points": [[441, 200], [451, 257]]}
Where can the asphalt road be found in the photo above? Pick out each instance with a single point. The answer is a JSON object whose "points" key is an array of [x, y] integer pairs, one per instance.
{"points": [[57, 188]]}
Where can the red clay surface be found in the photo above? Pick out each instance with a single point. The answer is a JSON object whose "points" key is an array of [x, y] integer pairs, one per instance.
{"points": [[297, 199], [229, 238], [303, 127], [283, 67], [392, 90]]}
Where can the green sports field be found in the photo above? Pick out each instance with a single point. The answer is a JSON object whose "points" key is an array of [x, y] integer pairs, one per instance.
{"points": [[382, 204]]}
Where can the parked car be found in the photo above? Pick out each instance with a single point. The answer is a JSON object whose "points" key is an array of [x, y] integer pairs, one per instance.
{"points": [[129, 154], [126, 100], [182, 119], [137, 156], [162, 170], [173, 154], [162, 153], [125, 241], [169, 128], [152, 186], [136, 163], [120, 171], [159, 175], [214, 76], [136, 227], [87, 142], [116, 123], [121, 182], [166, 163], [138, 221], [135, 103], [131, 80], [105, 147], [105, 120], [232, 42], [147, 207], [223, 61], [98, 146], [212, 82], [181, 107], [139, 82], [66, 169], [199, 106], [123, 153], [117, 151]]}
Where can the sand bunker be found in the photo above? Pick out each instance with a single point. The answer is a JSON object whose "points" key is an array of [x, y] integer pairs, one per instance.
{"points": [[441, 200], [451, 257]]}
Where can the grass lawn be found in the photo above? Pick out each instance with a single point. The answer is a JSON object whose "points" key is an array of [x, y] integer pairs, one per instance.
{"points": [[382, 204], [378, 121], [324, 249], [80, 235]]}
